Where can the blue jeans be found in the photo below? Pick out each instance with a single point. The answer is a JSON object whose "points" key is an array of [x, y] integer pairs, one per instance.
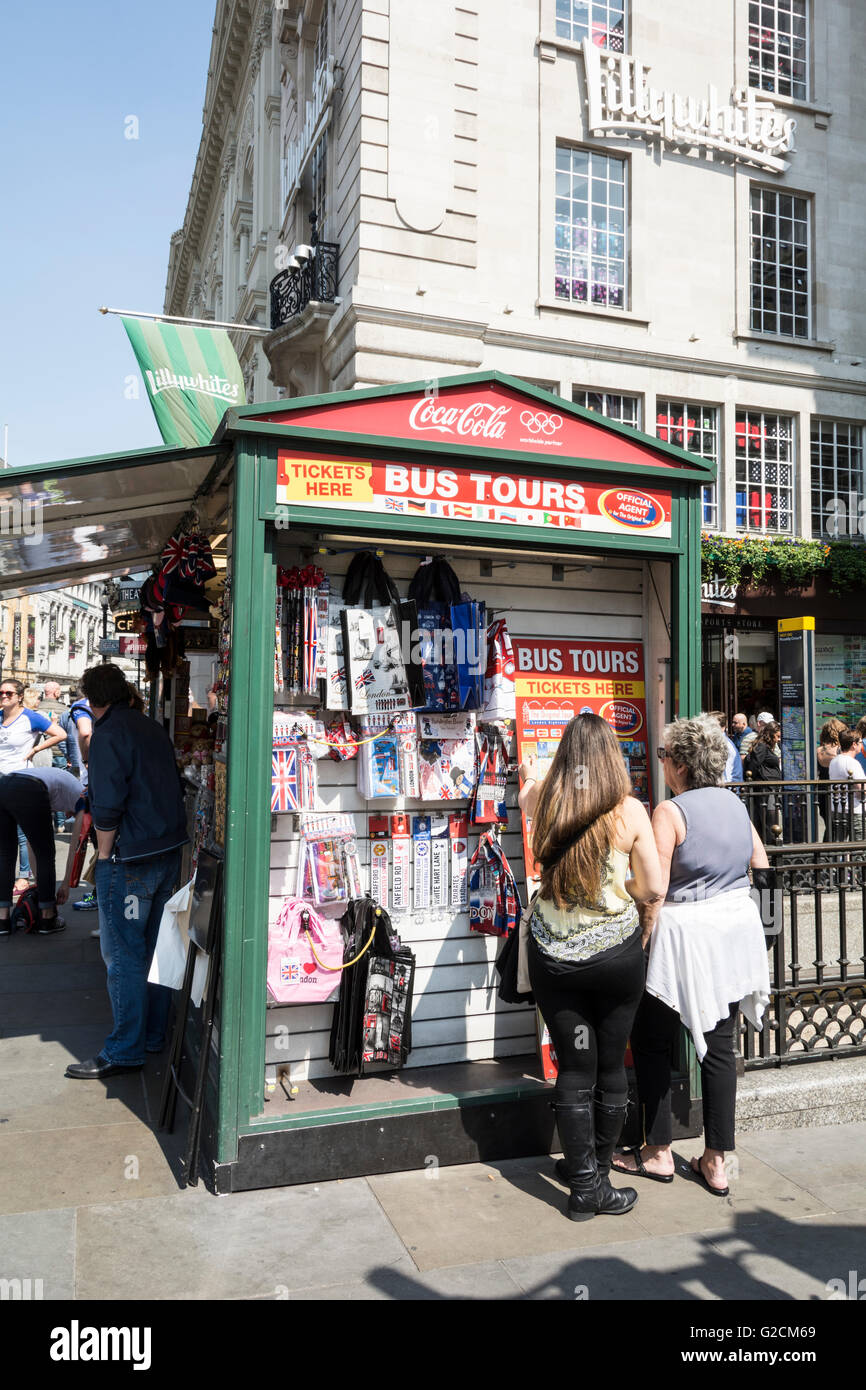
{"points": [[131, 898], [23, 857]]}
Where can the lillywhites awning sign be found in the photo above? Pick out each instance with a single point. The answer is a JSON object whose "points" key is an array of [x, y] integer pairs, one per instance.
{"points": [[620, 99]]}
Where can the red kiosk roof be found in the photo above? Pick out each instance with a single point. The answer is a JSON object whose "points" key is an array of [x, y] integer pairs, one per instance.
{"points": [[483, 411]]}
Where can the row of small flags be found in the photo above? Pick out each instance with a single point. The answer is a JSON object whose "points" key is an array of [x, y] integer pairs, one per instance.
{"points": [[466, 511]]}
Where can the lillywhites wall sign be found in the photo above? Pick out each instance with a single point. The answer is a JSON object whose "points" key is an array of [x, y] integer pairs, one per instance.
{"points": [[619, 98]]}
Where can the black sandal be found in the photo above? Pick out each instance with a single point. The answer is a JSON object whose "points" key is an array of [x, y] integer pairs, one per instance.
{"points": [[640, 1171], [699, 1173]]}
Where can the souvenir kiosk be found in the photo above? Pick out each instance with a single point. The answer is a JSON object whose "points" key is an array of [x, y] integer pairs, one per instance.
{"points": [[578, 536]]}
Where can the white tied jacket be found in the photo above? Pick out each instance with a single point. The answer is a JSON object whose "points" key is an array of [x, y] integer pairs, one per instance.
{"points": [[707, 955]]}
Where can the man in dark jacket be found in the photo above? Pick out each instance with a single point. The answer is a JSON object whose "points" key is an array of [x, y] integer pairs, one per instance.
{"points": [[138, 814]]}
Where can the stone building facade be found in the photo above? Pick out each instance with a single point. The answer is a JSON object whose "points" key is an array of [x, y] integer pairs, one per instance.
{"points": [[52, 635], [653, 209]]}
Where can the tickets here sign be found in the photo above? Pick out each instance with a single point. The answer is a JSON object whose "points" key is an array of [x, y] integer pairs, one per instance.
{"points": [[470, 494]]}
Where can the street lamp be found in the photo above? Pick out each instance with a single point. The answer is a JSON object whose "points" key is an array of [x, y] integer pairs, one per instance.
{"points": [[106, 599]]}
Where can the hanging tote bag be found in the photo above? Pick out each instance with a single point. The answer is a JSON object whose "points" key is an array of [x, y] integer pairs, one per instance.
{"points": [[305, 956]]}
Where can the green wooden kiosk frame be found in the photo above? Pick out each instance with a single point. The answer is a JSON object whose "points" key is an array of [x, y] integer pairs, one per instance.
{"points": [[241, 1125], [245, 1147]]}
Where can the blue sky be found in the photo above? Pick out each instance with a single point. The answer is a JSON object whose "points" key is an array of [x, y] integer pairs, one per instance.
{"points": [[86, 214]]}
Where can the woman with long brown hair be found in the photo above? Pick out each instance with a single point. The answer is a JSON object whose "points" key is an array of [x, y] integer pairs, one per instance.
{"points": [[585, 957]]}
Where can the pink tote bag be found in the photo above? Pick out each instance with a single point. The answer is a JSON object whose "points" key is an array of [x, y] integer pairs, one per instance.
{"points": [[295, 976]]}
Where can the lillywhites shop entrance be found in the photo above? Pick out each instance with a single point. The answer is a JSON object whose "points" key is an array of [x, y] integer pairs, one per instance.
{"points": [[428, 585]]}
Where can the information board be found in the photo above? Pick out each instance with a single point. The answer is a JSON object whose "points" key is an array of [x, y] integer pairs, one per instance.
{"points": [[796, 684], [557, 679]]}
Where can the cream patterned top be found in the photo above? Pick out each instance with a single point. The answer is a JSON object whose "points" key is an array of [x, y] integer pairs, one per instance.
{"points": [[578, 932]]}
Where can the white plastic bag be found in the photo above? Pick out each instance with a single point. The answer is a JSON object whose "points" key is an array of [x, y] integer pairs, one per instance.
{"points": [[168, 966]]}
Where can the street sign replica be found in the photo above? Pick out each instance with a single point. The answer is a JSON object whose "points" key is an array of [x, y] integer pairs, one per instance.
{"points": [[109, 646]]}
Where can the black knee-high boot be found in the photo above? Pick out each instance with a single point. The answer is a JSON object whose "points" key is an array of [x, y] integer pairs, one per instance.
{"points": [[574, 1121], [608, 1121]]}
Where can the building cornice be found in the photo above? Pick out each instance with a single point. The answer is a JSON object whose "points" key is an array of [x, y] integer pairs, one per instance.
{"points": [[356, 313], [233, 36]]}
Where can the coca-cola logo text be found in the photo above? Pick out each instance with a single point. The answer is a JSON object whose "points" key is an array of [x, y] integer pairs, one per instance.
{"points": [[476, 420]]}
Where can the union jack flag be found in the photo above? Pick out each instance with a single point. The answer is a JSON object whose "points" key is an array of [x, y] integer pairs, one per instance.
{"points": [[285, 793], [394, 504], [365, 678]]}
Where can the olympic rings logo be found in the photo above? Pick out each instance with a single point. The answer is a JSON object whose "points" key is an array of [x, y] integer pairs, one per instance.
{"points": [[539, 422]]}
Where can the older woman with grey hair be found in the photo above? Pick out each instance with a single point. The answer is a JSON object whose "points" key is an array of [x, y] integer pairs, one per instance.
{"points": [[707, 955]]}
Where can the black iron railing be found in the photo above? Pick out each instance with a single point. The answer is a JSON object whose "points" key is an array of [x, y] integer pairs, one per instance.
{"points": [[805, 812], [817, 958], [313, 282]]}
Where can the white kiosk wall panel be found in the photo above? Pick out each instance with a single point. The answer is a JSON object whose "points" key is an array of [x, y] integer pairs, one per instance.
{"points": [[457, 1015]]}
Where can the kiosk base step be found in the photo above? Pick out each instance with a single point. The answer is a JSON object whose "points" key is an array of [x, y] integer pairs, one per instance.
{"points": [[472, 1128]]}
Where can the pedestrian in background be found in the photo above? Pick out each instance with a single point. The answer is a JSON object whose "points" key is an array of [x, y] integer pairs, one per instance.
{"points": [[828, 749], [19, 729], [742, 736], [734, 764], [137, 804], [860, 728], [847, 802]]}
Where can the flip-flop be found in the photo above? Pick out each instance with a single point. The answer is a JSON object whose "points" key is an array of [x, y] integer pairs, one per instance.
{"points": [[640, 1171], [699, 1173]]}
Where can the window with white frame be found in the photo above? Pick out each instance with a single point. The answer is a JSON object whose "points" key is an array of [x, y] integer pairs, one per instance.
{"points": [[601, 20], [318, 181], [779, 47], [695, 428], [838, 484], [764, 472], [320, 48], [590, 228], [625, 409], [780, 264]]}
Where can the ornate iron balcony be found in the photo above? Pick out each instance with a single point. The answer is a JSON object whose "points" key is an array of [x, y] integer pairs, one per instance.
{"points": [[316, 281]]}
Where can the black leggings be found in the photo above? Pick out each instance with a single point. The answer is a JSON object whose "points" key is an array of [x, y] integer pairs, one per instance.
{"points": [[653, 1037], [589, 1009], [24, 801]]}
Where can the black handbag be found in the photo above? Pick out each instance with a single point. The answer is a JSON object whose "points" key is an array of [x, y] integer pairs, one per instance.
{"points": [[506, 964]]}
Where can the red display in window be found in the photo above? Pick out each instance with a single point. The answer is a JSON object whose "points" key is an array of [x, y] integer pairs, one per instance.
{"points": [[759, 511], [755, 435], [672, 430]]}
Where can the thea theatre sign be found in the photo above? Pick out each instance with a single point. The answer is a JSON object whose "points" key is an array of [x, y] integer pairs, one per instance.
{"points": [[620, 99]]}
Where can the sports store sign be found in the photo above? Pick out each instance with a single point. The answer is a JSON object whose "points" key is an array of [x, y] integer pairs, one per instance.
{"points": [[620, 100], [468, 493]]}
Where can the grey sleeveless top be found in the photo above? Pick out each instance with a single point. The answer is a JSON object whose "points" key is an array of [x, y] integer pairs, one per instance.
{"points": [[714, 856]]}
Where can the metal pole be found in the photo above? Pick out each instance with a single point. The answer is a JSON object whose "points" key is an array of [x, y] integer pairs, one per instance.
{"points": [[176, 318], [104, 627]]}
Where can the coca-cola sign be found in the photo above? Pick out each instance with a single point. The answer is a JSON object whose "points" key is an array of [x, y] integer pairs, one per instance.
{"points": [[479, 416], [479, 419]]}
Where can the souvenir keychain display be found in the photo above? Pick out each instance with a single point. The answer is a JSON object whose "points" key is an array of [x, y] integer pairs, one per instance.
{"points": [[406, 712], [329, 868], [296, 659]]}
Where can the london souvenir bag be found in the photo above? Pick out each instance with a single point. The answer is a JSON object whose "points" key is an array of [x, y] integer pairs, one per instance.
{"points": [[305, 955]]}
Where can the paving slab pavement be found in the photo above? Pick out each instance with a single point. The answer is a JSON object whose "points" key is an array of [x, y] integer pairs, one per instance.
{"points": [[90, 1202]]}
